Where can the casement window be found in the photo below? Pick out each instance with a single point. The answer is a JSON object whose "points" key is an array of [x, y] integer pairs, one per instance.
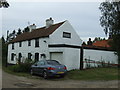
{"points": [[29, 42], [66, 35], [20, 44], [36, 42], [12, 56], [19, 57], [36, 57], [29, 56], [12, 45]]}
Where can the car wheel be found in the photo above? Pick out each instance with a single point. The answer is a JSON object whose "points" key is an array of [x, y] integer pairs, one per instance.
{"points": [[31, 72], [62, 76], [45, 75]]}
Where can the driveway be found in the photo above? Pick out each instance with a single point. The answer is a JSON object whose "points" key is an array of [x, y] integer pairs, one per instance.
{"points": [[12, 81]]}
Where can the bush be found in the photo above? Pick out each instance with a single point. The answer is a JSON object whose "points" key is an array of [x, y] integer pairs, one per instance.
{"points": [[22, 67]]}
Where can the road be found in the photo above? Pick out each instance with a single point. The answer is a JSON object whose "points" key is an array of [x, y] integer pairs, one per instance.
{"points": [[12, 81], [0, 78]]}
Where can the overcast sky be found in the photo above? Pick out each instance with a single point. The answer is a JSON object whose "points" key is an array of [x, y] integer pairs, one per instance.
{"points": [[83, 16]]}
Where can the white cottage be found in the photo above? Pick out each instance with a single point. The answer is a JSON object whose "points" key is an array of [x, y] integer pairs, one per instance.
{"points": [[54, 41]]}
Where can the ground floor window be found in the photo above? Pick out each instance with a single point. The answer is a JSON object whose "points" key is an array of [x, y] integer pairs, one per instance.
{"points": [[36, 57], [43, 56], [29, 56], [19, 57], [12, 57]]}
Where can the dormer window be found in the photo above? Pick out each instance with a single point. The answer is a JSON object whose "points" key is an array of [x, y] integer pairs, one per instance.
{"points": [[12, 45], [66, 35], [20, 44]]}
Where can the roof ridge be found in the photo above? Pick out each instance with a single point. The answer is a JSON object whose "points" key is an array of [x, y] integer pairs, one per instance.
{"points": [[53, 24], [37, 33]]}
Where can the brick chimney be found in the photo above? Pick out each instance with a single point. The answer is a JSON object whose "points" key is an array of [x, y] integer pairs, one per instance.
{"points": [[49, 22]]}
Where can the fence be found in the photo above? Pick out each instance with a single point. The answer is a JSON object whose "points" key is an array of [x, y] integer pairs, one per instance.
{"points": [[87, 63]]}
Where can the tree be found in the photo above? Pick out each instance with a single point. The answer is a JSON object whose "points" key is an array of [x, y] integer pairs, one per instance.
{"points": [[110, 21], [89, 42], [98, 39], [4, 52], [19, 32], [84, 44], [4, 4], [26, 29]]}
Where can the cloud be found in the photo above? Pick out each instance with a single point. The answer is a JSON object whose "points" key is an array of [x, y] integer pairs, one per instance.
{"points": [[84, 16]]}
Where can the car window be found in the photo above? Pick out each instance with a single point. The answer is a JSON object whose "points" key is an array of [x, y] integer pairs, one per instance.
{"points": [[53, 62], [41, 63]]}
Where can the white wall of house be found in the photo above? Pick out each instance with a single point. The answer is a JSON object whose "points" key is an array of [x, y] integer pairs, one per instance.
{"points": [[25, 49], [70, 57], [100, 55], [57, 36]]}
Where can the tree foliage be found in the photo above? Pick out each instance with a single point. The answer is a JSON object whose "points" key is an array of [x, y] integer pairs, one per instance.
{"points": [[26, 29], [98, 39], [4, 52], [19, 31], [110, 21], [4, 4]]}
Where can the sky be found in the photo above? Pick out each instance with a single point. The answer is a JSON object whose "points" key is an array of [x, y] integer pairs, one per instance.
{"points": [[83, 16]]}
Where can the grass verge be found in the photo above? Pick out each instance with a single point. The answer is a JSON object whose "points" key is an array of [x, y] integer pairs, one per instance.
{"points": [[94, 74]]}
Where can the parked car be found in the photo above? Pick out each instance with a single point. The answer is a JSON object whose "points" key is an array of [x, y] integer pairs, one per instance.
{"points": [[48, 68]]}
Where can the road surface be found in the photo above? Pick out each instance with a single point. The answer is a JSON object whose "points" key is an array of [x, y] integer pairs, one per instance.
{"points": [[12, 81], [0, 78]]}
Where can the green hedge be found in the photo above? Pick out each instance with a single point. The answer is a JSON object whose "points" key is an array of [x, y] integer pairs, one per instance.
{"points": [[24, 67]]}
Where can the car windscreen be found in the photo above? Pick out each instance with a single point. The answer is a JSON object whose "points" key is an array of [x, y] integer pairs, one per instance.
{"points": [[53, 62]]}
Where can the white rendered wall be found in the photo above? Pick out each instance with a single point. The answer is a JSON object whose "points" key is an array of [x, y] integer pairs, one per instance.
{"points": [[100, 55], [25, 49], [71, 57], [57, 36]]}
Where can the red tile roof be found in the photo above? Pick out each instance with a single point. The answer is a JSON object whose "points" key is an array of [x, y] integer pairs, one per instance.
{"points": [[37, 33], [103, 43]]}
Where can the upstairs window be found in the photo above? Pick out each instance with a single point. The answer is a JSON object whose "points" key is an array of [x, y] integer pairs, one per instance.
{"points": [[66, 35], [20, 44], [29, 42], [36, 42], [12, 45]]}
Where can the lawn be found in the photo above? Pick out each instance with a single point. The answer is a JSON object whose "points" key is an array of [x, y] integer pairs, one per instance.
{"points": [[88, 74], [94, 74]]}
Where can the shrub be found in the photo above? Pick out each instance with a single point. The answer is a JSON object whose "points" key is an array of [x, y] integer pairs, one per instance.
{"points": [[22, 67]]}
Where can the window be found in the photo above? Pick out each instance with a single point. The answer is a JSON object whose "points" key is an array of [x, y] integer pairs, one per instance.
{"points": [[51, 62], [12, 45], [36, 57], [66, 35], [29, 42], [19, 58], [36, 42], [41, 63], [12, 57], [29, 56], [20, 44]]}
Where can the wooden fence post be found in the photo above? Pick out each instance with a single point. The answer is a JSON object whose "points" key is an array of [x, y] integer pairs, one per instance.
{"points": [[81, 58]]}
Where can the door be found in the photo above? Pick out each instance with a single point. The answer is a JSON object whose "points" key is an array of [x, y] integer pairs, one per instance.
{"points": [[40, 67], [57, 56]]}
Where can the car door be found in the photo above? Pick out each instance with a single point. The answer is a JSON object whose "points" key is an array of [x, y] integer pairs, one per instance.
{"points": [[41, 66], [34, 67]]}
